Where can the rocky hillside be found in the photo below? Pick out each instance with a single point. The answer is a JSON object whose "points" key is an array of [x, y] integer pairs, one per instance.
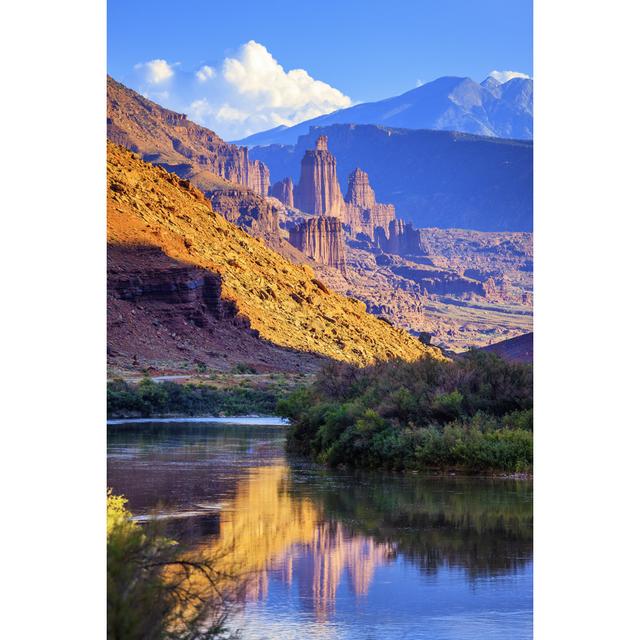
{"points": [[184, 284], [434, 178], [167, 138], [488, 108], [518, 349]]}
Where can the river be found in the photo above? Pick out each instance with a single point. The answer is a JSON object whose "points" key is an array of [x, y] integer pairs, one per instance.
{"points": [[335, 554]]}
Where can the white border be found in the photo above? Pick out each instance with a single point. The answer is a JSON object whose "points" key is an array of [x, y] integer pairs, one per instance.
{"points": [[586, 237]]}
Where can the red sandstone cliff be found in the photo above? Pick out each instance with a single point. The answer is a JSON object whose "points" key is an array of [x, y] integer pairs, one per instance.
{"points": [[322, 239], [318, 191], [167, 138], [283, 191], [362, 213], [401, 239]]}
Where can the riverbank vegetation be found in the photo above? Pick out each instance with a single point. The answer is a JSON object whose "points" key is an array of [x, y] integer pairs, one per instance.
{"points": [[218, 395], [474, 414], [155, 590]]}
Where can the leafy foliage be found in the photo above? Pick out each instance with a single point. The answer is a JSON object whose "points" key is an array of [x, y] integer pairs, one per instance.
{"points": [[149, 398], [154, 590], [474, 413]]}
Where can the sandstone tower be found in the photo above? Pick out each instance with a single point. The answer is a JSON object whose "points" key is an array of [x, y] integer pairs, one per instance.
{"points": [[318, 191]]}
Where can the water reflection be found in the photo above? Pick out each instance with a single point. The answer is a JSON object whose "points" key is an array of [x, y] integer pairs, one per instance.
{"points": [[355, 551]]}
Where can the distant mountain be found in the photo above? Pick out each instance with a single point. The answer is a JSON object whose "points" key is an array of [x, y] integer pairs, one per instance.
{"points": [[449, 104], [434, 178]]}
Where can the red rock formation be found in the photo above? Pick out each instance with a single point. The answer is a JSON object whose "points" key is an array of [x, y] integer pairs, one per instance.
{"points": [[363, 214], [402, 239], [359, 191], [169, 139], [257, 176], [283, 190], [322, 239], [318, 191], [246, 209]]}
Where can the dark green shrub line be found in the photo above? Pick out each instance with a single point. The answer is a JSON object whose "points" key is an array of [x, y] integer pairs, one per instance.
{"points": [[473, 414], [149, 398]]}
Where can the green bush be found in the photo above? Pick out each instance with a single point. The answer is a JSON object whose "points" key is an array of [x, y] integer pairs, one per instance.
{"points": [[155, 590], [474, 413], [149, 398]]}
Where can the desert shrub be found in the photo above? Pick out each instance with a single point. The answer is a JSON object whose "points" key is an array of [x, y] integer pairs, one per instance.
{"points": [[243, 367], [158, 591], [149, 398], [473, 413]]}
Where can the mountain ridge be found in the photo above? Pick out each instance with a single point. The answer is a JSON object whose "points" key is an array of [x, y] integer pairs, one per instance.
{"points": [[449, 103]]}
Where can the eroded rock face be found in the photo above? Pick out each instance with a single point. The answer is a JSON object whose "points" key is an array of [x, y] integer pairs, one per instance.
{"points": [[257, 176], [283, 191], [202, 288], [363, 214], [248, 210], [401, 239], [359, 191], [169, 139], [145, 276], [321, 239], [318, 191]]}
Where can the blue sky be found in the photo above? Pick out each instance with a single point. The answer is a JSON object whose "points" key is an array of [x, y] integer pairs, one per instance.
{"points": [[363, 50]]}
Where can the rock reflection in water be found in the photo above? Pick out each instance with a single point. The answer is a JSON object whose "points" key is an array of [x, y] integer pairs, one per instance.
{"points": [[269, 531], [351, 555]]}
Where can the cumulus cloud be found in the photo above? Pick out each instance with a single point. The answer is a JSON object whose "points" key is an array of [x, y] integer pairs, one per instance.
{"points": [[155, 71], [205, 73], [246, 93], [505, 76]]}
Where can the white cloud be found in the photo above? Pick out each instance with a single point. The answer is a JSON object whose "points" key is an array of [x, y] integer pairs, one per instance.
{"points": [[205, 73], [505, 76], [155, 71], [419, 83], [248, 92]]}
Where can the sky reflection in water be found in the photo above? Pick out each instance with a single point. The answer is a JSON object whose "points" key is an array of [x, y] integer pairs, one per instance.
{"points": [[337, 554]]}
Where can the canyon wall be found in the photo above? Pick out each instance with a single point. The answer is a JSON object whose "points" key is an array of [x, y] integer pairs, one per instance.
{"points": [[401, 239], [202, 289], [434, 178], [322, 239], [169, 139], [283, 191]]}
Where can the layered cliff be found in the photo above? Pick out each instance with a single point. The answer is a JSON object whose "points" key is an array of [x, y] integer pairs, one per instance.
{"points": [[318, 191], [401, 238], [283, 191], [167, 138], [322, 239], [186, 284], [362, 213]]}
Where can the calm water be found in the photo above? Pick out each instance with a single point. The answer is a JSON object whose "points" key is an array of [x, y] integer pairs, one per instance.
{"points": [[336, 554]]}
